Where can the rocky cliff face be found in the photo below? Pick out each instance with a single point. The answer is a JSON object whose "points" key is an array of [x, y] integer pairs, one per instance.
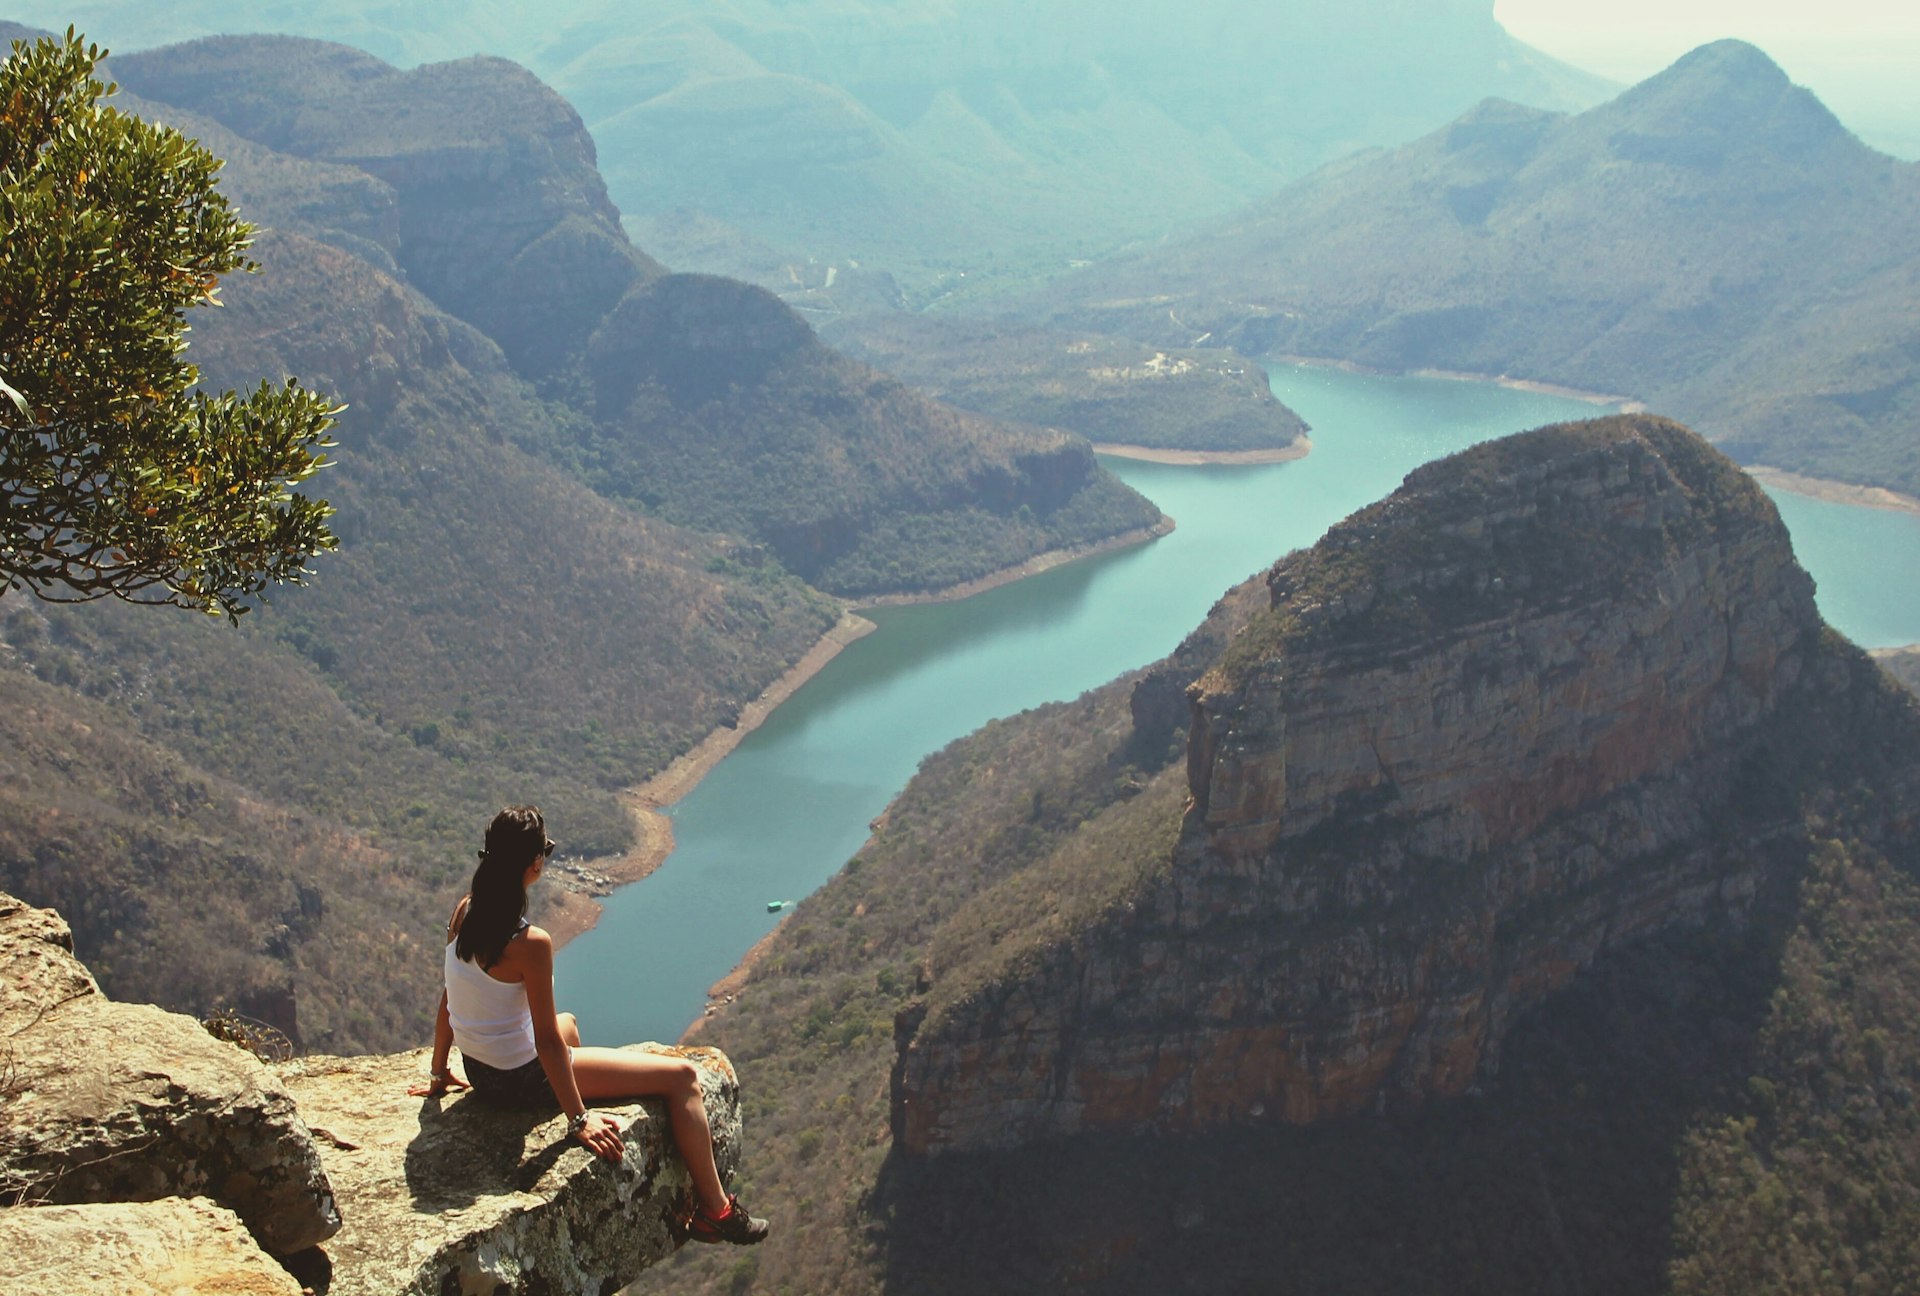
{"points": [[496, 209], [1510, 717]]}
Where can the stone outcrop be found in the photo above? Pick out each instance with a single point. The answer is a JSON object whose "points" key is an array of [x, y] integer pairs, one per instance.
{"points": [[452, 1196], [1509, 717], [161, 1248], [104, 1101], [143, 1116]]}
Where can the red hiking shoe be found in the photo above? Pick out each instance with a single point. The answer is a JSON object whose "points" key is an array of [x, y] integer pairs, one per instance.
{"points": [[733, 1225]]}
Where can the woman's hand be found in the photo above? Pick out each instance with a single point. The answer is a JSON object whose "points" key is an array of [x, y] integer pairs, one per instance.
{"points": [[601, 1136], [440, 1083]]}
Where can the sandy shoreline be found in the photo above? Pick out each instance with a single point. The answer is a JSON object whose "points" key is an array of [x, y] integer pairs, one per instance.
{"points": [[570, 911], [1626, 404], [573, 912], [722, 992], [1194, 458], [1031, 567], [1833, 492]]}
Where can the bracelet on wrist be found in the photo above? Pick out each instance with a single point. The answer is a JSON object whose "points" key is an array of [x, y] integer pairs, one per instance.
{"points": [[576, 1123]]}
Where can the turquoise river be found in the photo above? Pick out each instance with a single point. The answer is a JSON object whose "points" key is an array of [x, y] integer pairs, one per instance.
{"points": [[779, 816]]}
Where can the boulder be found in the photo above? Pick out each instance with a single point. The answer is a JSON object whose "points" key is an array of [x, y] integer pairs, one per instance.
{"points": [[165, 1248], [449, 1195], [103, 1102]]}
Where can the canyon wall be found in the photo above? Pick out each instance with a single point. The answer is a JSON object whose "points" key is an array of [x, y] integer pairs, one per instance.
{"points": [[1527, 708]]}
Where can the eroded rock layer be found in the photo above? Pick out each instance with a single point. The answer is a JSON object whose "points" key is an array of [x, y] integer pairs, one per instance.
{"points": [[1517, 713]]}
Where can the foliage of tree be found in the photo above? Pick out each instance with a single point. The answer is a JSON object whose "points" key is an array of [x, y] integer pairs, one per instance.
{"points": [[118, 477]]}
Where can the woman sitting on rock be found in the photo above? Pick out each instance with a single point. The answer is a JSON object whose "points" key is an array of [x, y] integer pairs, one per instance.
{"points": [[519, 1052]]}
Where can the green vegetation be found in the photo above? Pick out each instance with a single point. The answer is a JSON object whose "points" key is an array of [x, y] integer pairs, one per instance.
{"points": [[1810, 1180], [119, 478], [1105, 389], [1712, 243], [702, 401], [713, 405], [1903, 664], [190, 890]]}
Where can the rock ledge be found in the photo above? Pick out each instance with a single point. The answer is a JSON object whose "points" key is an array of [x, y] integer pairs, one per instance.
{"points": [[451, 1196]]}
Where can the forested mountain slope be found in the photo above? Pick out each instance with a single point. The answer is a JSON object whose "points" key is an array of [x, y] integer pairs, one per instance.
{"points": [[706, 402], [1712, 242]]}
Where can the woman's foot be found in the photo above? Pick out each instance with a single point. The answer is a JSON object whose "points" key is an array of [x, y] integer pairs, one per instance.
{"points": [[731, 1225]]}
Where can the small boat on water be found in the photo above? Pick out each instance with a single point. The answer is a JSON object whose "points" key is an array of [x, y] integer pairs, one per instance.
{"points": [[775, 906]]}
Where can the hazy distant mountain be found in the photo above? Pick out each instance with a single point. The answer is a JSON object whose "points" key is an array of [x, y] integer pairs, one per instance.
{"points": [[1712, 242], [987, 137]]}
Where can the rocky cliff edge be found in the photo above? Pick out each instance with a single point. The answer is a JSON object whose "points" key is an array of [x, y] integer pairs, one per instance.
{"points": [[1531, 706], [139, 1153]]}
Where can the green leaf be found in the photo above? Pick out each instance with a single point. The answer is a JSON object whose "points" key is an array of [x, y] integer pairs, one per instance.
{"points": [[19, 401]]}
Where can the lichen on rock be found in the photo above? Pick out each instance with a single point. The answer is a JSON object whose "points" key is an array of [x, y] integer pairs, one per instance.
{"points": [[445, 1196]]}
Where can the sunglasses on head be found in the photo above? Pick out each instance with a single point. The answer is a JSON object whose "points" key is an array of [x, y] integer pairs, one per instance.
{"points": [[550, 847]]}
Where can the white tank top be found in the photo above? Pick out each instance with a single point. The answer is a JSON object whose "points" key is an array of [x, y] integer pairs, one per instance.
{"points": [[491, 1021]]}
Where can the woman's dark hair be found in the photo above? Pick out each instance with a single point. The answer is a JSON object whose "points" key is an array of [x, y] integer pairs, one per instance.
{"points": [[498, 896]]}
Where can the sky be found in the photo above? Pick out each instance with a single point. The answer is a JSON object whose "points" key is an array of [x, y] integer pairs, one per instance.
{"points": [[1862, 57]]}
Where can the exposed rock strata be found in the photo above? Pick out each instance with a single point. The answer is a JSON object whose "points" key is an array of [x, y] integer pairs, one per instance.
{"points": [[458, 1197], [498, 212], [161, 1248], [103, 1101], [1497, 723]]}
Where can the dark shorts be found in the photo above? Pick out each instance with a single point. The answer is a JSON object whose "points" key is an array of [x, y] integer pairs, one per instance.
{"points": [[523, 1086]]}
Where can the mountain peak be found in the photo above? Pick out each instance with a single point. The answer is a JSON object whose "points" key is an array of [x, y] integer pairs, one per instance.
{"points": [[1731, 60], [1723, 95]]}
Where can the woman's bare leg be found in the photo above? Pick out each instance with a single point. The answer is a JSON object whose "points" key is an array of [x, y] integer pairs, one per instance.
{"points": [[569, 1029], [616, 1073]]}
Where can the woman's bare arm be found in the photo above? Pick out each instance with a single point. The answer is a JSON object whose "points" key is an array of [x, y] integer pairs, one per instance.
{"points": [[443, 1078], [532, 954]]}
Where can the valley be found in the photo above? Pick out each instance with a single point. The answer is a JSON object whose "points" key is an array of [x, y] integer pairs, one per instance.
{"points": [[1154, 621]]}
